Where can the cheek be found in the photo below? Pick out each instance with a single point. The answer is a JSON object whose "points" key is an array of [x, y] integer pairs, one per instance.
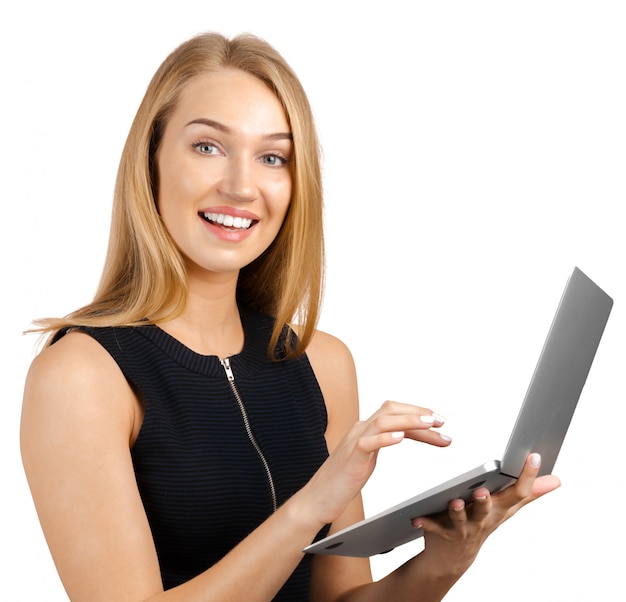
{"points": [[282, 198], [171, 202], [177, 188]]}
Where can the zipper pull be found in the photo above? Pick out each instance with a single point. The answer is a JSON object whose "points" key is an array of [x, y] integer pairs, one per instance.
{"points": [[229, 372]]}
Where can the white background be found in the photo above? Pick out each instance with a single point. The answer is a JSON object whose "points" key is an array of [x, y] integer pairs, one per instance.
{"points": [[474, 153]]}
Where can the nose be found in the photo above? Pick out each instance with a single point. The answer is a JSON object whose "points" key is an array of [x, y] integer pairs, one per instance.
{"points": [[238, 180]]}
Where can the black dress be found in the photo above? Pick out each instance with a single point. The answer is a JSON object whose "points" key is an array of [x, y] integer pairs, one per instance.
{"points": [[222, 444]]}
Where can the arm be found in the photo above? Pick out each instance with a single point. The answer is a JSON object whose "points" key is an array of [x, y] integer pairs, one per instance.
{"points": [[334, 577], [79, 420], [452, 541]]}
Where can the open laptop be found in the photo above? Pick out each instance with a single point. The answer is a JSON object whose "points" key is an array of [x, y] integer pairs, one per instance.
{"points": [[540, 427]]}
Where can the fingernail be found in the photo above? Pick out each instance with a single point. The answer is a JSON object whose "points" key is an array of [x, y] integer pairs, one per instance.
{"points": [[398, 434], [535, 460], [428, 418], [445, 437], [439, 418]]}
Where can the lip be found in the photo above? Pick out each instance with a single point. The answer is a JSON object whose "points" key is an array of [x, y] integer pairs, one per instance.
{"points": [[231, 211], [228, 234]]}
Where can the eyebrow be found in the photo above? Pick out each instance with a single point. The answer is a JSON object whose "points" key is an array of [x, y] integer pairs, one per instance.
{"points": [[224, 128]]}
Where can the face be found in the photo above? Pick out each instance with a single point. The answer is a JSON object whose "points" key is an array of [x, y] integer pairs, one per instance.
{"points": [[224, 176]]}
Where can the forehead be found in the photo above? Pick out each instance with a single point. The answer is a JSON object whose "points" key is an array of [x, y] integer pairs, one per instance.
{"points": [[233, 97]]}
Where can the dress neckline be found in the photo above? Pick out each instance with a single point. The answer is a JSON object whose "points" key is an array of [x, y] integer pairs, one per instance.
{"points": [[257, 330]]}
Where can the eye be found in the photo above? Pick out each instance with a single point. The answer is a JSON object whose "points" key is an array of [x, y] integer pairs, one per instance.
{"points": [[206, 148], [274, 160]]}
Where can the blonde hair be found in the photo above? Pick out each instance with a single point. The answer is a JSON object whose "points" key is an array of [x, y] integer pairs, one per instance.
{"points": [[144, 278]]}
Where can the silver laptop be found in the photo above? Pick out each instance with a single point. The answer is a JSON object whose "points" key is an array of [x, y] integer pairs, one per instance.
{"points": [[540, 427]]}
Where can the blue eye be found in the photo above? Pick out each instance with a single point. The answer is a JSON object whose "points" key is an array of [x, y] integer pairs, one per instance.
{"points": [[274, 160], [206, 148]]}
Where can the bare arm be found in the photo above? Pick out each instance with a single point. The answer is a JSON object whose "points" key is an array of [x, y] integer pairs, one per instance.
{"points": [[79, 419], [339, 577], [452, 541]]}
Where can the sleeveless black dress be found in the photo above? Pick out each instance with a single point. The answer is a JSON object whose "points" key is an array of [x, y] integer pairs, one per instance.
{"points": [[222, 444]]}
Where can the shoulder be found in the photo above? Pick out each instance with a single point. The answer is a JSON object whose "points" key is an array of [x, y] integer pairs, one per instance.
{"points": [[77, 383], [77, 423], [76, 359], [334, 368], [329, 356]]}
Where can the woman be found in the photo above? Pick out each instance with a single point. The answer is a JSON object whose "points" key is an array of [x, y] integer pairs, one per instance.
{"points": [[175, 432]]}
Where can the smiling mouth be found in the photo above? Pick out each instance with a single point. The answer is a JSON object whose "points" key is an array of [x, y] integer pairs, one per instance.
{"points": [[228, 221]]}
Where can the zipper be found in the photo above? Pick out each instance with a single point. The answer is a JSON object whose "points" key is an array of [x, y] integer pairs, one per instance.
{"points": [[246, 421]]}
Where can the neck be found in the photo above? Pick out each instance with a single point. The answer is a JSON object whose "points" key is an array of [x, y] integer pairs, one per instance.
{"points": [[210, 324]]}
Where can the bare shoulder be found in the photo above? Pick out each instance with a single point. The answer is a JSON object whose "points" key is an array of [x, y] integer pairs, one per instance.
{"points": [[324, 342], [334, 368], [76, 382], [78, 418], [76, 356], [331, 360]]}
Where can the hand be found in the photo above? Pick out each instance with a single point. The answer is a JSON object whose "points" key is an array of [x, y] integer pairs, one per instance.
{"points": [[348, 468], [454, 539]]}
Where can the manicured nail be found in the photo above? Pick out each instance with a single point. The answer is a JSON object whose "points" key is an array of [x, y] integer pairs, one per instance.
{"points": [[535, 460], [445, 437], [398, 434], [428, 418], [439, 418]]}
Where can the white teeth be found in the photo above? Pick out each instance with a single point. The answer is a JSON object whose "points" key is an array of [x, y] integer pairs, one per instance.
{"points": [[228, 220]]}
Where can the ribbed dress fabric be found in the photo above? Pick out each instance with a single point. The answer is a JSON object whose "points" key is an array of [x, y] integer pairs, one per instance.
{"points": [[202, 482]]}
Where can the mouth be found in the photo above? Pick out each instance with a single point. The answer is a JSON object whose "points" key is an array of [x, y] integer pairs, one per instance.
{"points": [[229, 222]]}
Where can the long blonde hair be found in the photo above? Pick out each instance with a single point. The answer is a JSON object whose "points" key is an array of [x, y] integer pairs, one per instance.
{"points": [[144, 278]]}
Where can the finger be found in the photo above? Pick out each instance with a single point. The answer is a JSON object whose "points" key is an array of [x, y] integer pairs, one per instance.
{"points": [[482, 504], [528, 475], [534, 486], [432, 419], [423, 434], [528, 486], [545, 484], [372, 443], [398, 407], [430, 437], [394, 417], [416, 426], [397, 422], [456, 516], [428, 417], [457, 512]]}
